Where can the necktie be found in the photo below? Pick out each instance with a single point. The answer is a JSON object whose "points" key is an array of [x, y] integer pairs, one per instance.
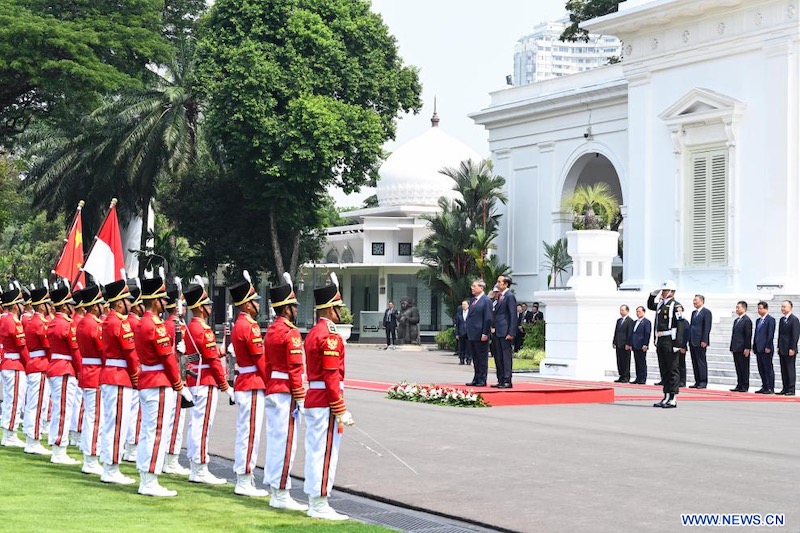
{"points": [[474, 302], [636, 326]]}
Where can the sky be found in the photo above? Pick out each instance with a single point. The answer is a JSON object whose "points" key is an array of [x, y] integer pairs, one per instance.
{"points": [[463, 49]]}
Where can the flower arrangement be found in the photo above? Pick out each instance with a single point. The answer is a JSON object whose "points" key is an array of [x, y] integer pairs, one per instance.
{"points": [[436, 394]]}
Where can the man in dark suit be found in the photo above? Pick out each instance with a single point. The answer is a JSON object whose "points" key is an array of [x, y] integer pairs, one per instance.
{"points": [[390, 325], [639, 341], [520, 334], [622, 335], [698, 341], [505, 328], [684, 346], [461, 333], [741, 336], [535, 314], [479, 318], [763, 346], [788, 334]]}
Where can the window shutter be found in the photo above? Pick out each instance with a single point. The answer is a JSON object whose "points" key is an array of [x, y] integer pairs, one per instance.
{"points": [[718, 242], [708, 234], [699, 230]]}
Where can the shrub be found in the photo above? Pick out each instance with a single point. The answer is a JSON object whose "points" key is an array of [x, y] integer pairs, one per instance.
{"points": [[534, 335], [533, 354], [345, 315], [446, 339]]}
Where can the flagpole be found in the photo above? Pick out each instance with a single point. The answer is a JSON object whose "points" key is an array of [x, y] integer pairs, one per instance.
{"points": [[71, 229], [85, 257]]}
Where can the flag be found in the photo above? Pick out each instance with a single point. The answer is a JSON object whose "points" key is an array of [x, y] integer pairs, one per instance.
{"points": [[106, 260], [71, 259]]}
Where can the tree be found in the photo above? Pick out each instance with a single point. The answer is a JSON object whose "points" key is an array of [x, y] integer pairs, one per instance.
{"points": [[301, 96], [557, 260], [594, 206], [581, 10]]}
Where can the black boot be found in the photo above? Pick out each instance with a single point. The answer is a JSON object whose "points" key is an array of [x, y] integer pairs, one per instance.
{"points": [[662, 402], [671, 403]]}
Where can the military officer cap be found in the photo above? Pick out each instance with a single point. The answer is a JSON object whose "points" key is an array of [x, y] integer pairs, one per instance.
{"points": [[77, 297], [243, 292], [136, 294], [153, 288], [196, 296], [117, 290], [61, 296], [282, 295], [40, 296], [12, 296], [327, 296], [669, 285], [173, 295], [90, 296]]}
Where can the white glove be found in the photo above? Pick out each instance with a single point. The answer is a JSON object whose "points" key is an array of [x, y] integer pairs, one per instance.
{"points": [[655, 292], [230, 392], [345, 418], [181, 347], [186, 395]]}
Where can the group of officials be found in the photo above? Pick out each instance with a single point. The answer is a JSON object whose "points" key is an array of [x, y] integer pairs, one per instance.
{"points": [[106, 364], [633, 335]]}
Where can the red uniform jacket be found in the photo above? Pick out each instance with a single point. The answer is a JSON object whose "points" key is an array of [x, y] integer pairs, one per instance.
{"points": [[249, 348], [90, 341], [155, 349], [284, 347], [135, 321], [12, 337], [61, 336], [25, 318], [119, 345], [325, 363], [38, 346], [201, 337]]}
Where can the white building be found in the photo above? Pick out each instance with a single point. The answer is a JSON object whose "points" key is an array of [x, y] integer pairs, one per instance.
{"points": [[542, 56]]}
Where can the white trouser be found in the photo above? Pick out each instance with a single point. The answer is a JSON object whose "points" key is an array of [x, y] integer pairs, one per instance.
{"points": [[76, 423], [36, 404], [63, 390], [92, 416], [158, 409], [249, 419], [281, 439], [175, 437], [134, 429], [116, 410], [14, 386], [322, 448], [201, 419]]}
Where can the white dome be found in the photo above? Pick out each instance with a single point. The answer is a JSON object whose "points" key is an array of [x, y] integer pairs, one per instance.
{"points": [[410, 176]]}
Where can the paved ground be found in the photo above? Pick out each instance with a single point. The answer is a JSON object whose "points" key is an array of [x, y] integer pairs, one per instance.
{"points": [[598, 468]]}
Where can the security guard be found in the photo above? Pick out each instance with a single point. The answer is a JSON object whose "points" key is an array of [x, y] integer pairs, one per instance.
{"points": [[669, 333], [38, 397]]}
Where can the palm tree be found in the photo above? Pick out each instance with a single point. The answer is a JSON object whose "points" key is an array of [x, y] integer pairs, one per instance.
{"points": [[557, 260], [594, 206]]}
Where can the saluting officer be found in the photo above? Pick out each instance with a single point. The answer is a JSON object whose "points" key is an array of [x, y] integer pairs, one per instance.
{"points": [[12, 367], [38, 398], [669, 335], [285, 396]]}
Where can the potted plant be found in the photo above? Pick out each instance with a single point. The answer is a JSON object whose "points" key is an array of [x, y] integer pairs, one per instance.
{"points": [[345, 325]]}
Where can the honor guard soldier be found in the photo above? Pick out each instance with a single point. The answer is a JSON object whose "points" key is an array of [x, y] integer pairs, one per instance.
{"points": [[159, 380], [63, 372], [175, 331], [250, 386], [118, 379], [38, 396], [205, 378], [76, 422], [132, 439], [89, 334], [285, 396], [325, 410], [12, 368], [27, 307], [669, 334]]}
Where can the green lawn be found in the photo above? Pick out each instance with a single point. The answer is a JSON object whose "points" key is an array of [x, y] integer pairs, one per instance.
{"points": [[37, 496], [518, 364]]}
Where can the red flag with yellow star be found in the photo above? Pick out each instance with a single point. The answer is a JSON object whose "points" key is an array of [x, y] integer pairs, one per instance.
{"points": [[71, 260]]}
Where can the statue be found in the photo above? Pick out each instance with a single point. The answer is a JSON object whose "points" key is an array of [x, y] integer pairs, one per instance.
{"points": [[408, 324]]}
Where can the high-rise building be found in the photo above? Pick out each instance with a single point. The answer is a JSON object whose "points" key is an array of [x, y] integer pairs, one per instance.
{"points": [[542, 56]]}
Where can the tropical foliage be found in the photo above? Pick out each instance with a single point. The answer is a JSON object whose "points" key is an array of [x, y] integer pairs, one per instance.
{"points": [[446, 339], [594, 206], [556, 261], [582, 10]]}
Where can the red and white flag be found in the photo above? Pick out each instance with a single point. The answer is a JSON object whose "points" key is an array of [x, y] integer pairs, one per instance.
{"points": [[71, 259], [106, 261]]}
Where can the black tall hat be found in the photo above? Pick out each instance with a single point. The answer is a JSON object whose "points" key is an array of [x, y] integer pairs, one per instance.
{"points": [[153, 288], [77, 297], [327, 296], [91, 295], [40, 296], [136, 295], [12, 296], [243, 292], [173, 295], [26, 295], [195, 296], [61, 296], [117, 290], [282, 295]]}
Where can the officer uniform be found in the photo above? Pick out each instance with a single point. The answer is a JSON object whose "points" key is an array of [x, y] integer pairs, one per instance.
{"points": [[37, 399], [668, 329], [63, 372], [325, 408], [250, 385], [89, 334], [205, 378], [12, 368], [76, 422], [160, 376], [132, 438], [284, 400], [119, 377], [175, 437]]}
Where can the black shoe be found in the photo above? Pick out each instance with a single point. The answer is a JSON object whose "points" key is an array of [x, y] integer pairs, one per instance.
{"points": [[701, 386], [788, 393], [780, 393], [659, 404], [505, 386], [480, 384], [695, 386], [759, 391], [737, 389], [682, 384], [470, 384], [768, 391], [620, 380], [658, 383], [497, 386], [670, 405]]}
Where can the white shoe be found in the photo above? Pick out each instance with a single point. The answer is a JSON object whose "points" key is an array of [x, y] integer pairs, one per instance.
{"points": [[245, 487], [91, 465], [319, 508], [130, 453], [281, 499], [35, 447], [111, 474], [172, 466], [60, 456], [11, 440], [74, 438], [200, 474], [148, 486]]}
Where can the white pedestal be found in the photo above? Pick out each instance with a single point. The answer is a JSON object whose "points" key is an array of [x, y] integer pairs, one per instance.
{"points": [[592, 252]]}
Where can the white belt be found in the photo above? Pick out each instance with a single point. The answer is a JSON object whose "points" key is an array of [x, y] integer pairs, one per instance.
{"points": [[247, 369], [321, 385], [38, 353], [200, 367], [672, 332], [61, 356], [92, 361], [119, 363], [152, 368], [12, 356], [279, 375]]}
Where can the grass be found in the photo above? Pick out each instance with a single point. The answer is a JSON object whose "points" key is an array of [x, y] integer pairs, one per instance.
{"points": [[526, 359], [40, 496]]}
